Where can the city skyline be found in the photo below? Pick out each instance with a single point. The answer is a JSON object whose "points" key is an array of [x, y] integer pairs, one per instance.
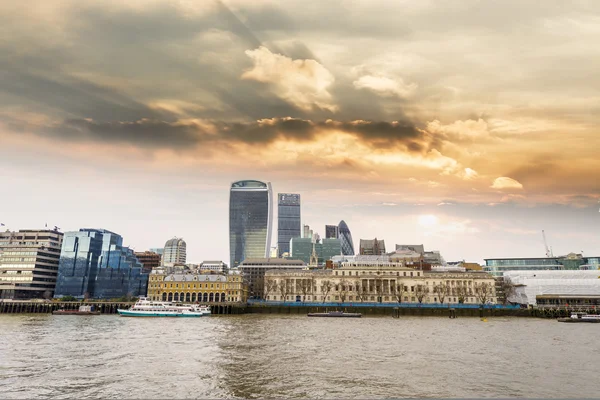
{"points": [[469, 127]]}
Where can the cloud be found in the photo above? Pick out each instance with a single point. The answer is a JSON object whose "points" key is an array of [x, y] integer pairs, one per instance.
{"points": [[385, 86], [504, 182], [468, 174], [460, 130], [303, 83]]}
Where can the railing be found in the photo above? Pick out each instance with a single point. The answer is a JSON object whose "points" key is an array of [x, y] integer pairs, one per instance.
{"points": [[375, 304]]}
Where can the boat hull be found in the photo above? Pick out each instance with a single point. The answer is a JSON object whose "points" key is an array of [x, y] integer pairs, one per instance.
{"points": [[127, 313], [75, 312], [335, 315], [593, 321]]}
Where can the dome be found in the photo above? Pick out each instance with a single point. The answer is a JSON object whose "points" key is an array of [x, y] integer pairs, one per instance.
{"points": [[175, 242]]}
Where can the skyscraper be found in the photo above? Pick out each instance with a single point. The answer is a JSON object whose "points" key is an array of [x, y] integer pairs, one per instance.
{"points": [[288, 220], [346, 239], [94, 263], [175, 252], [331, 232], [250, 220]]}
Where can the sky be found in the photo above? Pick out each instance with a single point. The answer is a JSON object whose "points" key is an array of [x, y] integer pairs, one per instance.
{"points": [[467, 126]]}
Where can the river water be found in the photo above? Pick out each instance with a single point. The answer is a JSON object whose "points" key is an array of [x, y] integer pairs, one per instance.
{"points": [[276, 356]]}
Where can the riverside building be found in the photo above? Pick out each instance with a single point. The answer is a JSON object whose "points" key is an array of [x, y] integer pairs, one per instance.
{"points": [[253, 271], [572, 261], [192, 287], [29, 263], [95, 264], [250, 220], [382, 281]]}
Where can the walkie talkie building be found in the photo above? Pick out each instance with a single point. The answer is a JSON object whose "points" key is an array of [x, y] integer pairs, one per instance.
{"points": [[250, 220]]}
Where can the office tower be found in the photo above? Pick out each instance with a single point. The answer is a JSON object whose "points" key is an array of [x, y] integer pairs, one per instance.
{"points": [[288, 220], [94, 263], [346, 239], [302, 249], [250, 220], [372, 247], [149, 260], [29, 263], [175, 252], [306, 232], [331, 232]]}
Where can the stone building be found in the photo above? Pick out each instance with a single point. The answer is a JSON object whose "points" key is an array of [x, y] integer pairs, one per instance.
{"points": [[194, 287], [253, 271], [381, 282]]}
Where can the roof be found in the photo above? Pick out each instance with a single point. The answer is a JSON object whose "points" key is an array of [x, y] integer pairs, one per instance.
{"points": [[175, 242], [248, 184], [194, 278], [271, 262]]}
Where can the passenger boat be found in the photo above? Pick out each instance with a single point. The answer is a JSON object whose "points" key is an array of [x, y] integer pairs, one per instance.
{"points": [[335, 314], [83, 310], [145, 307], [581, 317]]}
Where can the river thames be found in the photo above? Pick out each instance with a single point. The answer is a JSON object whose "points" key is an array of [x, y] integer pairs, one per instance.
{"points": [[270, 356]]}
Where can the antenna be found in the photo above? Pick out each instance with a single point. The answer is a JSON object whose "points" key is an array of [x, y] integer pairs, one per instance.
{"points": [[548, 250]]}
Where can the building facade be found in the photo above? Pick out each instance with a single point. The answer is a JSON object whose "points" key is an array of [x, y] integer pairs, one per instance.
{"points": [[572, 261], [193, 287], [372, 247], [331, 231], [253, 272], [346, 239], [380, 282], [250, 220], [302, 249], [288, 221], [95, 264], [149, 260], [175, 252], [29, 263], [216, 266]]}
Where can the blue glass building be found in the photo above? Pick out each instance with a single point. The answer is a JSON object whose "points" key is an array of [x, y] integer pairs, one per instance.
{"points": [[94, 263], [346, 239], [250, 220], [288, 221], [497, 266]]}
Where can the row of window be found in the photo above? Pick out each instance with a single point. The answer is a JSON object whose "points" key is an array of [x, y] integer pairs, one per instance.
{"points": [[371, 298], [356, 273], [189, 285]]}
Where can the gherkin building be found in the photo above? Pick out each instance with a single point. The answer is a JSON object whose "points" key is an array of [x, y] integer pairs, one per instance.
{"points": [[346, 239]]}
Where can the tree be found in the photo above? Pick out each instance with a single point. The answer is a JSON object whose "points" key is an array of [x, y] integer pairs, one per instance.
{"points": [[326, 287], [305, 287], [270, 287], [68, 298], [343, 289], [284, 288], [361, 292], [421, 291], [441, 290], [398, 291], [483, 291], [507, 288], [461, 292]]}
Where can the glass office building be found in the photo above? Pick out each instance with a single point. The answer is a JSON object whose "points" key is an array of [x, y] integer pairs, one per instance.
{"points": [[288, 221], [250, 220], [301, 249], [94, 263], [331, 232], [346, 239], [497, 266]]}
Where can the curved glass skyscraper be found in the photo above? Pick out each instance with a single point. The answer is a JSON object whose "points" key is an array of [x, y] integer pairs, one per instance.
{"points": [[250, 220], [346, 239]]}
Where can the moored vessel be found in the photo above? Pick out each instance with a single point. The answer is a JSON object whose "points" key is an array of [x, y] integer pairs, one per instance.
{"points": [[145, 307], [83, 310], [335, 314], [581, 317]]}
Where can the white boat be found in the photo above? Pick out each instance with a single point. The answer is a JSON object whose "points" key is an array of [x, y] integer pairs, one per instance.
{"points": [[581, 317], [145, 307]]}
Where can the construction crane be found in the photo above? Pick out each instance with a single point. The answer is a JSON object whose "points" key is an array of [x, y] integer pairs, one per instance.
{"points": [[548, 249]]}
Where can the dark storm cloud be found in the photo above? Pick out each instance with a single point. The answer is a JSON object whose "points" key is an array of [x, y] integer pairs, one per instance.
{"points": [[146, 133]]}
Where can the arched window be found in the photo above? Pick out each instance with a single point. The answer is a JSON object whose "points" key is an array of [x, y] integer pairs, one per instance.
{"points": [[170, 297], [164, 297], [222, 297], [210, 298], [176, 297], [187, 297], [205, 297], [193, 297]]}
